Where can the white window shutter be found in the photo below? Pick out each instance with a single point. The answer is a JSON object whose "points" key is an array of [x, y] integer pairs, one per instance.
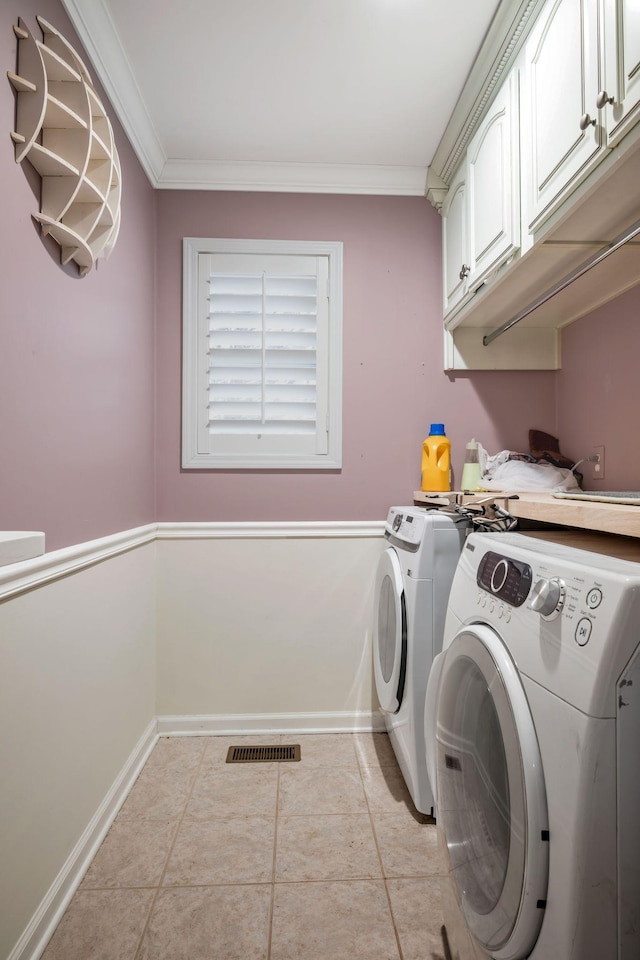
{"points": [[266, 359]]}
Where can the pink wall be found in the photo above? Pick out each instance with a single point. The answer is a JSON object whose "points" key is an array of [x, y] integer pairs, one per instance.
{"points": [[394, 385], [76, 355], [599, 391], [77, 364]]}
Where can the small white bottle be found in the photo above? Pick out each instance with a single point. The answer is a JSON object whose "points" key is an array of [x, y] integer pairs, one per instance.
{"points": [[471, 473]]}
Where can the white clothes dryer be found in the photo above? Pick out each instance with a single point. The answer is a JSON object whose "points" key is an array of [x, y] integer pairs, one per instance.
{"points": [[533, 734], [412, 589]]}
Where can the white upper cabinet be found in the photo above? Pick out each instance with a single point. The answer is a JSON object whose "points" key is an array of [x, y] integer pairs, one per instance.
{"points": [[481, 214], [493, 182], [455, 249], [561, 133], [541, 159], [619, 98]]}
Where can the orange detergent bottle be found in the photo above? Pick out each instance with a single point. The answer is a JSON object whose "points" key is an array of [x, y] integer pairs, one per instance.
{"points": [[436, 460]]}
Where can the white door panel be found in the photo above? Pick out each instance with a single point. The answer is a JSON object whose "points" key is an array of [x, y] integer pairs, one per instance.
{"points": [[454, 244], [494, 196], [622, 66], [561, 86]]}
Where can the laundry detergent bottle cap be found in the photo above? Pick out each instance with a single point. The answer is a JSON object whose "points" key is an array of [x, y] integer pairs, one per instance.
{"points": [[436, 460], [471, 473]]}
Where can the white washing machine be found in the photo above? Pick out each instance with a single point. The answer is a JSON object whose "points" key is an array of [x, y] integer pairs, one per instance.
{"points": [[533, 724], [412, 589]]}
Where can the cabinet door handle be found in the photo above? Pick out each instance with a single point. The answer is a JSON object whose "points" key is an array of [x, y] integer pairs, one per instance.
{"points": [[465, 271], [603, 99], [586, 121]]}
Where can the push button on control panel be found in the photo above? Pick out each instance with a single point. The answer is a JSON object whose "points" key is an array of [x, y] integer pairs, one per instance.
{"points": [[583, 631], [594, 598]]}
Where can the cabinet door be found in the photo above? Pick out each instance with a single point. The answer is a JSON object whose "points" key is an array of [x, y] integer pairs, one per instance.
{"points": [[622, 67], [454, 243], [493, 185], [561, 87]]}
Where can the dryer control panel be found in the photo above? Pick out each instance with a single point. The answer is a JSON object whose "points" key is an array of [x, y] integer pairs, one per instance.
{"points": [[509, 580], [406, 528]]}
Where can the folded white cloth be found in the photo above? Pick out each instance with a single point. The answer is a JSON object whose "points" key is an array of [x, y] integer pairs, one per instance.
{"points": [[500, 473]]}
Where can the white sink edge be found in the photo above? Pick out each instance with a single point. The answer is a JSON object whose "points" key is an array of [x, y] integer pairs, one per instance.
{"points": [[16, 545]]}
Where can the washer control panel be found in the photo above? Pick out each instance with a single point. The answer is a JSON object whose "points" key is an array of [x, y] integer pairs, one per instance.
{"points": [[509, 580], [568, 615], [577, 599]]}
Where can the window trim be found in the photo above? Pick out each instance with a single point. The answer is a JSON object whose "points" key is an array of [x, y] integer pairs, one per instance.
{"points": [[192, 359]]}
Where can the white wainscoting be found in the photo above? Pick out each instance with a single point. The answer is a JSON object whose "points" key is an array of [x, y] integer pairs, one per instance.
{"points": [[170, 628], [77, 715], [266, 627]]}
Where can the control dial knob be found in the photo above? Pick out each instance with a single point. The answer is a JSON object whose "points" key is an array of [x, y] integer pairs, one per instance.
{"points": [[547, 597]]}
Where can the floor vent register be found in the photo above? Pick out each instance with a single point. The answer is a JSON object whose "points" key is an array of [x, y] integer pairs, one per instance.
{"points": [[264, 754]]}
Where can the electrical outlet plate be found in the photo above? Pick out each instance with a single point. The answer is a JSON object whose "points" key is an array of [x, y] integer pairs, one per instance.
{"points": [[598, 468]]}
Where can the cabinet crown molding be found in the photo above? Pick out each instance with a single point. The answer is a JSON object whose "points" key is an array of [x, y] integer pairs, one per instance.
{"points": [[503, 42]]}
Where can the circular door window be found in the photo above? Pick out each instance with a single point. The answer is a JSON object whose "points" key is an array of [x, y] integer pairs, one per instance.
{"points": [[390, 633], [491, 794]]}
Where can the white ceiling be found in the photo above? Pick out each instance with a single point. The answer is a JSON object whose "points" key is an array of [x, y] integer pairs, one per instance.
{"points": [[322, 95]]}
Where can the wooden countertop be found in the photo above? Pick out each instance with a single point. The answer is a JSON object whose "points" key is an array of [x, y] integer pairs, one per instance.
{"points": [[615, 518]]}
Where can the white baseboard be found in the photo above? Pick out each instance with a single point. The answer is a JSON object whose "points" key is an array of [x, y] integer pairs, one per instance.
{"points": [[240, 724], [37, 934]]}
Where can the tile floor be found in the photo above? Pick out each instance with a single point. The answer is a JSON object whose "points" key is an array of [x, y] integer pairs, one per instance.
{"points": [[322, 859]]}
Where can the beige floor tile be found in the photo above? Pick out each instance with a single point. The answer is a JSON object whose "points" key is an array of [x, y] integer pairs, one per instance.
{"points": [[101, 925], [244, 790], [408, 848], [327, 750], [310, 791], [176, 753], [326, 848], [387, 792], [345, 920], [417, 912], [375, 750], [133, 854], [158, 795], [237, 850], [209, 923], [330, 902]]}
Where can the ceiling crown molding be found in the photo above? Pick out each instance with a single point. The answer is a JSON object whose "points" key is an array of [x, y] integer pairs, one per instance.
{"points": [[292, 177], [92, 20]]}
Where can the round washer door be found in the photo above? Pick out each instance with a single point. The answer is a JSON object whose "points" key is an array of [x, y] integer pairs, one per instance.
{"points": [[492, 803], [389, 633]]}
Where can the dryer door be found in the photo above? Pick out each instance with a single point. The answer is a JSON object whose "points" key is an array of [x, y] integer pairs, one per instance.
{"points": [[492, 803], [390, 633]]}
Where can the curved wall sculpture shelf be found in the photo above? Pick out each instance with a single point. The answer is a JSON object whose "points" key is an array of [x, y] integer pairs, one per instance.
{"points": [[62, 129]]}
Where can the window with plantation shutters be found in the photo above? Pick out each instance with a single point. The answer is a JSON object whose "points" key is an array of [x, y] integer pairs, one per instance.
{"points": [[262, 354]]}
